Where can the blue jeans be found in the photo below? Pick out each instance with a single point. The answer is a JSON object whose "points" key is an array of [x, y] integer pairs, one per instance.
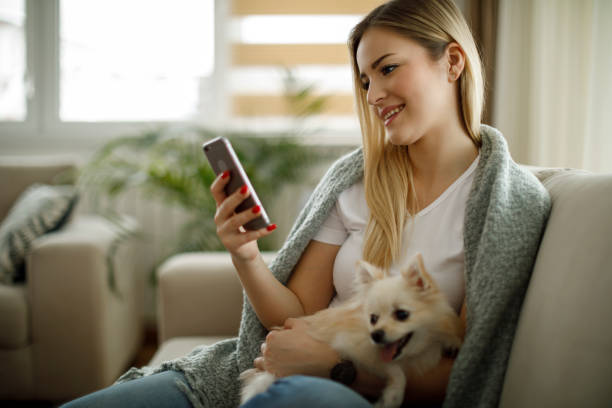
{"points": [[157, 390], [300, 391], [160, 390]]}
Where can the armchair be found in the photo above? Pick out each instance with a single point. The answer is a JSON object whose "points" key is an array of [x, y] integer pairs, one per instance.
{"points": [[64, 332]]}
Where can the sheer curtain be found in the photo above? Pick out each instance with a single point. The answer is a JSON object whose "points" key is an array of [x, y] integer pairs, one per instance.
{"points": [[482, 15], [553, 97]]}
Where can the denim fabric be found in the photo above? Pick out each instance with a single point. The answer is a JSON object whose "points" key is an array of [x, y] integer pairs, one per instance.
{"points": [[157, 390], [300, 391]]}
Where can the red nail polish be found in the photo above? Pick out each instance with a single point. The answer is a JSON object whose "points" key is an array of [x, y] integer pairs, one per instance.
{"points": [[271, 227], [244, 189], [256, 209], [225, 174]]}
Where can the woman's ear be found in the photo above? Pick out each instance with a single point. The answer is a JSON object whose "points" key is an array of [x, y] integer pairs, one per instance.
{"points": [[455, 58]]}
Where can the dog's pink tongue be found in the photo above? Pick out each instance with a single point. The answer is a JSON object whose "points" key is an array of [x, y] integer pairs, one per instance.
{"points": [[387, 353]]}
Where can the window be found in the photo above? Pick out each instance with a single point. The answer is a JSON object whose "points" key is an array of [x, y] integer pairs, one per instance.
{"points": [[12, 61], [134, 60], [267, 48], [270, 37], [75, 73]]}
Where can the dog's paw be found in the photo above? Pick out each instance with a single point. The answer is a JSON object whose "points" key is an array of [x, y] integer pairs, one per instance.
{"points": [[390, 399], [254, 382], [388, 403], [452, 343]]}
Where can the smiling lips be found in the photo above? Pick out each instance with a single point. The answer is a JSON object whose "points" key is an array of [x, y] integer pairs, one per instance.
{"points": [[389, 113]]}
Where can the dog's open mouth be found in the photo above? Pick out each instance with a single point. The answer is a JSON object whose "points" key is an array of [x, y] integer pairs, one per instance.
{"points": [[393, 350]]}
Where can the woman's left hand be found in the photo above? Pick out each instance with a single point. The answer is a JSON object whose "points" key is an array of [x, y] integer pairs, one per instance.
{"points": [[293, 351]]}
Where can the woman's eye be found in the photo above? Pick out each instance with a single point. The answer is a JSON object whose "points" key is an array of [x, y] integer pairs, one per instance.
{"points": [[387, 69], [365, 85]]}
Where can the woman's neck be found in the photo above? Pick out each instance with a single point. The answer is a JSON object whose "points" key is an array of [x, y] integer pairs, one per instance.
{"points": [[442, 156]]}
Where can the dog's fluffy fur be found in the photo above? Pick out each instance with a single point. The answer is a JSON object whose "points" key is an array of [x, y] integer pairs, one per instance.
{"points": [[391, 327]]}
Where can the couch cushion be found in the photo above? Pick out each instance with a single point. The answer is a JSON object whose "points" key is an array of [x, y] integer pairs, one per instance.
{"points": [[40, 209], [193, 288], [14, 321], [561, 352]]}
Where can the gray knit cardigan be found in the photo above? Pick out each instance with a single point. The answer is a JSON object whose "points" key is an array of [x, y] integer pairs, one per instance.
{"points": [[506, 214]]}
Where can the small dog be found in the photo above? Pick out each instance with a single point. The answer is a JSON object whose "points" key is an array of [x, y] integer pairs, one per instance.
{"points": [[391, 326]]}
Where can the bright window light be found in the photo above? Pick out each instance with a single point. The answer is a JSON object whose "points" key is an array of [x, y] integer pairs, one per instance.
{"points": [[12, 61], [269, 80], [295, 29], [134, 60]]}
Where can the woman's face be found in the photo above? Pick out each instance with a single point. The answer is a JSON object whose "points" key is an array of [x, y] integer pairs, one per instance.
{"points": [[410, 92]]}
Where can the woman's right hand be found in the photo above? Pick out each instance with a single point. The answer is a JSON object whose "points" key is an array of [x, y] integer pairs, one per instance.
{"points": [[241, 244]]}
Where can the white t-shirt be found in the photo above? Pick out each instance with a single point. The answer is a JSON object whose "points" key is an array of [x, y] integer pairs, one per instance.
{"points": [[436, 232]]}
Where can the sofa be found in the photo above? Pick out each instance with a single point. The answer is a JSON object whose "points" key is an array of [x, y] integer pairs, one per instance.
{"points": [[65, 332], [562, 351]]}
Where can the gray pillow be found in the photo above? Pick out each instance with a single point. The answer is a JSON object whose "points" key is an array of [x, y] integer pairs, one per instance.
{"points": [[40, 209]]}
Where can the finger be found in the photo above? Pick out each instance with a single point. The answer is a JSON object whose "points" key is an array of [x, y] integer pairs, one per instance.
{"points": [[259, 363], [289, 323], [227, 208], [249, 236], [271, 336], [242, 218], [240, 237], [263, 348], [217, 188]]}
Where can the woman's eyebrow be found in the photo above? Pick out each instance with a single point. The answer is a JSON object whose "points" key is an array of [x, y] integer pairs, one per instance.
{"points": [[376, 63]]}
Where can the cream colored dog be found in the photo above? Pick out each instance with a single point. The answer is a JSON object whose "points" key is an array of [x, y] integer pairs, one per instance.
{"points": [[391, 327]]}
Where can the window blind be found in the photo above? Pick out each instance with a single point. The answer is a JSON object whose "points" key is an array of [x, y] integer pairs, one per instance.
{"points": [[301, 36]]}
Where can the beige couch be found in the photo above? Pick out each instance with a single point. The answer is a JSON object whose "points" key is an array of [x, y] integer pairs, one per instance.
{"points": [[63, 333], [562, 352]]}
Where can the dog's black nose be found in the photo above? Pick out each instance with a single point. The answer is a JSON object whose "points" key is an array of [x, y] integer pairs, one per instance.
{"points": [[378, 336]]}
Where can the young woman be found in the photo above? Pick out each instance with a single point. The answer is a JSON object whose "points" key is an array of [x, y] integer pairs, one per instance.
{"points": [[428, 179]]}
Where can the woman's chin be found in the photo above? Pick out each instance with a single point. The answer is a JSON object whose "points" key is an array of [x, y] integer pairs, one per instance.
{"points": [[398, 138]]}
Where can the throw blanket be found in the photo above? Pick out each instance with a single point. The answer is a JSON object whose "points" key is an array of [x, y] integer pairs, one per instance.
{"points": [[506, 213]]}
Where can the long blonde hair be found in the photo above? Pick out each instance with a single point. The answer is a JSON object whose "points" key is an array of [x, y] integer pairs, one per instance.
{"points": [[389, 188]]}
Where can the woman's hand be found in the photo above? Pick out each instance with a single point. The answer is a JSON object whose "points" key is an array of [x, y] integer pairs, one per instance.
{"points": [[241, 244], [293, 351]]}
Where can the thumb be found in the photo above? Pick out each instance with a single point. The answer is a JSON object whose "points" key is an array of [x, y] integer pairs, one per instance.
{"points": [[290, 323]]}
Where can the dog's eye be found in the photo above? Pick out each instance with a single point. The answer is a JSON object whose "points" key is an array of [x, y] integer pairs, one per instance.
{"points": [[401, 314], [373, 319]]}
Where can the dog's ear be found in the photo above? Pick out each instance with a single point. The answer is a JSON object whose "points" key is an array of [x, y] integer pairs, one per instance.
{"points": [[366, 273], [416, 275]]}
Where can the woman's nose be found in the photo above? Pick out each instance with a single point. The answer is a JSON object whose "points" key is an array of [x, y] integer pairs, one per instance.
{"points": [[375, 93]]}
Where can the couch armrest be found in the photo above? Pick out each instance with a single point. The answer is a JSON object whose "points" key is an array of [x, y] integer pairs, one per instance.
{"points": [[199, 295], [561, 350], [81, 329]]}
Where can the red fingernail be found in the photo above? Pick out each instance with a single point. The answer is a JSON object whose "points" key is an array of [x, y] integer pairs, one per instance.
{"points": [[256, 209], [225, 174], [244, 189], [271, 227]]}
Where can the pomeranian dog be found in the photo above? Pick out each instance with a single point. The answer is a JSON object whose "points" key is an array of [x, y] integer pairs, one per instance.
{"points": [[391, 327]]}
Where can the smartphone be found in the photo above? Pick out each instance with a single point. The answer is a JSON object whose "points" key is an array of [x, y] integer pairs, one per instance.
{"points": [[222, 157]]}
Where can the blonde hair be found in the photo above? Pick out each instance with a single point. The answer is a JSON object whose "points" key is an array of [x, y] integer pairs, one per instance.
{"points": [[388, 181]]}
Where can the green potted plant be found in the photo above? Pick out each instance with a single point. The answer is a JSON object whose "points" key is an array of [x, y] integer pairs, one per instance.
{"points": [[168, 164]]}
